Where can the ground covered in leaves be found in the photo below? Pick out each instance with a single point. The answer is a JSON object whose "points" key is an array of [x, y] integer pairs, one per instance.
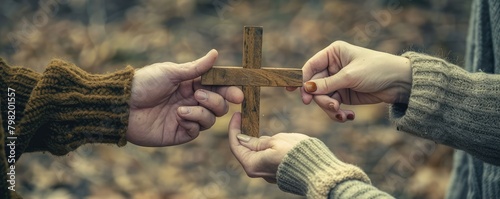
{"points": [[103, 36]]}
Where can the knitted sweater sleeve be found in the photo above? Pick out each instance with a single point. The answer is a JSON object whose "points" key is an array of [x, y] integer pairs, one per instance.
{"points": [[58, 111], [452, 106], [447, 105], [65, 107], [312, 170]]}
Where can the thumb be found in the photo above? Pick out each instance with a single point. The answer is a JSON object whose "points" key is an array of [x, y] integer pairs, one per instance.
{"points": [[194, 69], [239, 151], [253, 143], [240, 143], [328, 84]]}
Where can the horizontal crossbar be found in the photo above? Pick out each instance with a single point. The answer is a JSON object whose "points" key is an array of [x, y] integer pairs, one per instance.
{"points": [[238, 76]]}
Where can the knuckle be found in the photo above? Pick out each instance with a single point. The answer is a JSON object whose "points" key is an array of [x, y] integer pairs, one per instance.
{"points": [[347, 75], [212, 121], [219, 106], [339, 43], [273, 141], [258, 146], [332, 117], [219, 101], [313, 65], [224, 110]]}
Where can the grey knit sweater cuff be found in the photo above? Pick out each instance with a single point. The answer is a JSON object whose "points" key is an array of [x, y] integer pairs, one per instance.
{"points": [[427, 99], [311, 169], [398, 111], [452, 106]]}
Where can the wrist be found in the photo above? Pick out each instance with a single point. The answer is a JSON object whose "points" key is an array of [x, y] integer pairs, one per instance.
{"points": [[404, 80], [311, 169]]}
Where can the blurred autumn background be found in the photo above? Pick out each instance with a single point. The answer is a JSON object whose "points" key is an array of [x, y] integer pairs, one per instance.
{"points": [[103, 36]]}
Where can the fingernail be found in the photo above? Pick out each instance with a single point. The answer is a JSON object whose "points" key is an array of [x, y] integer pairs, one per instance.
{"points": [[201, 95], [184, 110], [310, 87], [350, 116], [339, 117], [331, 106], [243, 137]]}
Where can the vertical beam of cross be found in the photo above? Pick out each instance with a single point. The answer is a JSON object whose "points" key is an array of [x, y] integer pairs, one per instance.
{"points": [[252, 59], [251, 77]]}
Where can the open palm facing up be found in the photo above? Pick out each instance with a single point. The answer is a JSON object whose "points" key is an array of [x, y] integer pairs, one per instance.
{"points": [[169, 106]]}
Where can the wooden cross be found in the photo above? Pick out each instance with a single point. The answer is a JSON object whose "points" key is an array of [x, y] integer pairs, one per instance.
{"points": [[251, 77]]}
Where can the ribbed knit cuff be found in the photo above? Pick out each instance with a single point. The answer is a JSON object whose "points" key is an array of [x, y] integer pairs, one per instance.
{"points": [[357, 189], [311, 169], [429, 76], [23, 80], [451, 106], [70, 107]]}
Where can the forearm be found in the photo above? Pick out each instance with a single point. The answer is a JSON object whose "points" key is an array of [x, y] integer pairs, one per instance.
{"points": [[452, 106], [72, 108], [311, 169], [67, 107]]}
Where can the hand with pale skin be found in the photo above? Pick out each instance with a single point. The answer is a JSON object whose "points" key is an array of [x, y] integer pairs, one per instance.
{"points": [[260, 157], [346, 74], [169, 106], [341, 73]]}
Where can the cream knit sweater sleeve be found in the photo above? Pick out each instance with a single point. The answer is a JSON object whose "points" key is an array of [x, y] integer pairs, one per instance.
{"points": [[447, 104], [311, 169]]}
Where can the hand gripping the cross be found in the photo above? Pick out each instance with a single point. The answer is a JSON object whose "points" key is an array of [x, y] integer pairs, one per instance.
{"points": [[169, 106], [346, 74]]}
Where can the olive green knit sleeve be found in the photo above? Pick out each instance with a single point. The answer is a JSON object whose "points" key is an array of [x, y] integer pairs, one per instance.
{"points": [[68, 107], [452, 106], [24, 80], [311, 169]]}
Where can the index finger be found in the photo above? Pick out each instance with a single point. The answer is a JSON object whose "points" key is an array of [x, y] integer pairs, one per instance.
{"points": [[316, 64], [307, 97], [232, 94]]}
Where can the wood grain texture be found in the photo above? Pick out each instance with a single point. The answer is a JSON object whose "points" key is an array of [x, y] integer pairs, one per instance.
{"points": [[252, 59], [250, 109], [252, 47], [236, 76]]}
